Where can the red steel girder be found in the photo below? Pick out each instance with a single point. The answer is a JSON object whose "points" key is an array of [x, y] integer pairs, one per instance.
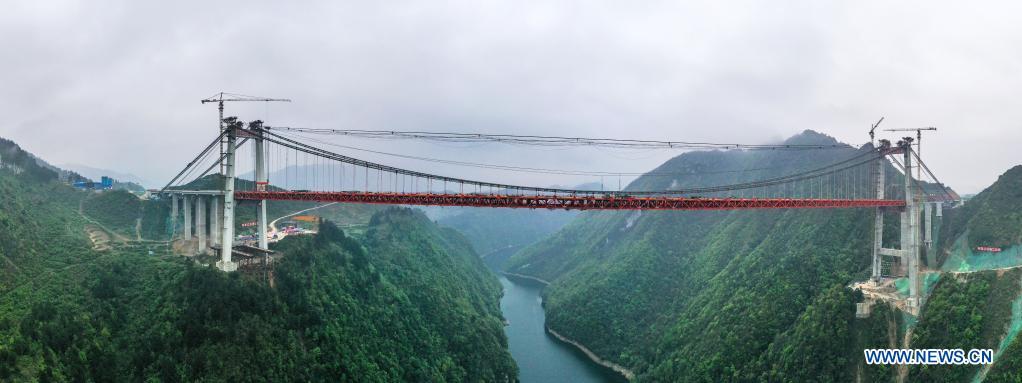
{"points": [[569, 202]]}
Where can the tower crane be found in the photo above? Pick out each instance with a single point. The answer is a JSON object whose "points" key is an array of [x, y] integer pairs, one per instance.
{"points": [[222, 97], [919, 143], [874, 128]]}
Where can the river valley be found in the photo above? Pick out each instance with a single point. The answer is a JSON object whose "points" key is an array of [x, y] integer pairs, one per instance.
{"points": [[540, 356]]}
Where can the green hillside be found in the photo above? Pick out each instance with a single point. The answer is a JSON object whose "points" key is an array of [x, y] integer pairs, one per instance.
{"points": [[712, 296], [408, 302], [991, 218], [965, 311], [985, 312], [40, 229], [496, 233]]}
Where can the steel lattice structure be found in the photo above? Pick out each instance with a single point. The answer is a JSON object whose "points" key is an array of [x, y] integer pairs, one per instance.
{"points": [[567, 202]]}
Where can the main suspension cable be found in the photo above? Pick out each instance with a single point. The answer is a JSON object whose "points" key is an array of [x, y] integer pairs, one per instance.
{"points": [[280, 140], [554, 140], [523, 168]]}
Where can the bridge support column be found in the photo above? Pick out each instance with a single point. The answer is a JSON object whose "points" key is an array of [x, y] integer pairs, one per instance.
{"points": [[931, 254], [940, 209], [261, 182], [909, 251], [200, 223], [878, 219], [173, 215], [214, 220], [187, 202], [227, 240], [912, 247], [904, 229], [928, 226]]}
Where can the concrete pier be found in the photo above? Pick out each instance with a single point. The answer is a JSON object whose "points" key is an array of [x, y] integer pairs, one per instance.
{"points": [[227, 240], [931, 253], [187, 233], [903, 243], [928, 228], [215, 215], [200, 223], [878, 220], [261, 182], [173, 214], [913, 248], [911, 232]]}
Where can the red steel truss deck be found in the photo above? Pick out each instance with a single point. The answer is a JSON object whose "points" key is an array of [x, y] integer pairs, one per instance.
{"points": [[572, 202]]}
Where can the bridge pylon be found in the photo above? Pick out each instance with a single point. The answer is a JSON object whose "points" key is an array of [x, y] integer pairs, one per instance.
{"points": [[187, 205], [227, 238], [261, 181], [911, 236], [878, 220]]}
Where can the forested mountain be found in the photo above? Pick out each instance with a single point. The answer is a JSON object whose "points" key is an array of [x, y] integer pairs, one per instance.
{"points": [[681, 296], [405, 301], [497, 233], [992, 217], [988, 309], [719, 296]]}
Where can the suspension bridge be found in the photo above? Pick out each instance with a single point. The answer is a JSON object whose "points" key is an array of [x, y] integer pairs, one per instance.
{"points": [[306, 171]]}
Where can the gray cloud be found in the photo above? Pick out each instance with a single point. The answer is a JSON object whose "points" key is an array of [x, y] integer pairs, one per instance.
{"points": [[116, 84]]}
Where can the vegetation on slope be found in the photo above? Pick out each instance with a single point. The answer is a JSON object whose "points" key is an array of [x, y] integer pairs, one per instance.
{"points": [[411, 302], [491, 230], [991, 218], [884, 328], [29, 167], [966, 311], [40, 228], [116, 210], [711, 296]]}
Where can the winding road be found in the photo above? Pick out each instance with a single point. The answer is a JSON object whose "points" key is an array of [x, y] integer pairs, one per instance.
{"points": [[273, 224]]}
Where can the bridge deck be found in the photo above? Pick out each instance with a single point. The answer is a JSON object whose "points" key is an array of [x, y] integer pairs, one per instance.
{"points": [[571, 202]]}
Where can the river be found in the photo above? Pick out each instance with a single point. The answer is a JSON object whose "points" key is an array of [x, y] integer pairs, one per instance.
{"points": [[542, 358]]}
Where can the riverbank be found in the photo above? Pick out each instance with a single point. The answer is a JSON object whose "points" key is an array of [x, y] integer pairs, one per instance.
{"points": [[626, 373], [543, 281]]}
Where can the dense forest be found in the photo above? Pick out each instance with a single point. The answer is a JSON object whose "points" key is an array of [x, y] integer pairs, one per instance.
{"points": [[732, 296], [991, 218], [404, 301], [965, 311], [488, 229]]}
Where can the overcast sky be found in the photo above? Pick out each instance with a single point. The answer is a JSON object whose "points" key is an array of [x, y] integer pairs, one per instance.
{"points": [[117, 84]]}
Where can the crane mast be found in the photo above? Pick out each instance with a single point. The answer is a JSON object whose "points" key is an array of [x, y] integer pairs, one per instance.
{"points": [[222, 97], [919, 143]]}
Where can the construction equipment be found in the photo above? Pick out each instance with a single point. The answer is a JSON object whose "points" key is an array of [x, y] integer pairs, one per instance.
{"points": [[220, 98], [919, 142], [874, 128]]}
